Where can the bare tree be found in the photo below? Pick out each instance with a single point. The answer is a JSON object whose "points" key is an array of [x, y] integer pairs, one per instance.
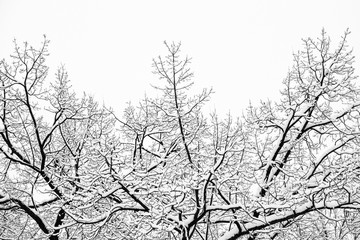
{"points": [[56, 152], [285, 170], [305, 147], [263, 176]]}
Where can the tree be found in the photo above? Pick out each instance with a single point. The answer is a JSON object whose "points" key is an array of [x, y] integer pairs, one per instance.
{"points": [[285, 170], [56, 155], [308, 143]]}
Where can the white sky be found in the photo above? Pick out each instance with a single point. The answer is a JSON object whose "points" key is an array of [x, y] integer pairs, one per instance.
{"points": [[243, 49]]}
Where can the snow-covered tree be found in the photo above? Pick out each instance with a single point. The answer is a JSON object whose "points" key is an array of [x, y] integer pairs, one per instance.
{"points": [[305, 151], [287, 169], [266, 176], [56, 150]]}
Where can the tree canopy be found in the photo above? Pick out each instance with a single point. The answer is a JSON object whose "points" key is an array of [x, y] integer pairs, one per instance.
{"points": [[288, 169]]}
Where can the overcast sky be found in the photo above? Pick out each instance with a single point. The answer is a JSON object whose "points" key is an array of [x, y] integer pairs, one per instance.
{"points": [[243, 49]]}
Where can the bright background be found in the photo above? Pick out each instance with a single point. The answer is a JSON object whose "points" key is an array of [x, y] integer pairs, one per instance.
{"points": [[243, 49]]}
